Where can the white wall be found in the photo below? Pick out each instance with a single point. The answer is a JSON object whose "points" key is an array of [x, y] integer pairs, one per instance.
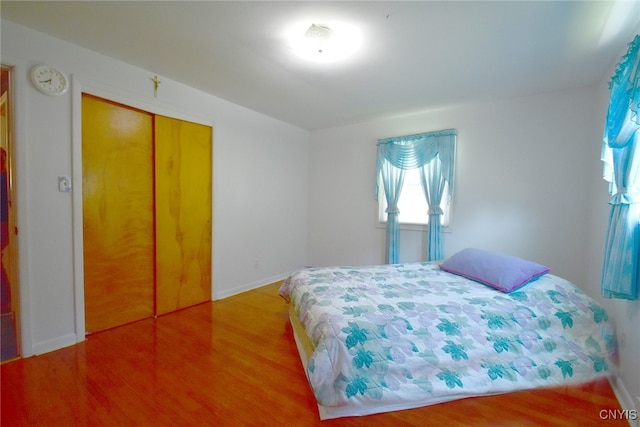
{"points": [[520, 186], [260, 181], [625, 314]]}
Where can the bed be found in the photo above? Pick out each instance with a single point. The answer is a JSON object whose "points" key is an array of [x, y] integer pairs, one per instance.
{"points": [[389, 337]]}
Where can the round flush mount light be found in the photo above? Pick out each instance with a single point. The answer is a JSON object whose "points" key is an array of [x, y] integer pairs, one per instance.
{"points": [[324, 43]]}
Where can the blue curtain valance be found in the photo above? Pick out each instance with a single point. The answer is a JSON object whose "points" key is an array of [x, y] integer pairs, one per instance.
{"points": [[622, 115], [415, 151]]}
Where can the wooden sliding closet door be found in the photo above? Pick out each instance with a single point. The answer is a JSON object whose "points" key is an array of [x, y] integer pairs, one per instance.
{"points": [[183, 213], [117, 191]]}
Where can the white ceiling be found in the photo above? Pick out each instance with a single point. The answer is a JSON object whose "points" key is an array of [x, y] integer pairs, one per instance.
{"points": [[415, 55]]}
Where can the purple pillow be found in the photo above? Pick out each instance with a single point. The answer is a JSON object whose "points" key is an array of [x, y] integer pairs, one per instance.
{"points": [[502, 272]]}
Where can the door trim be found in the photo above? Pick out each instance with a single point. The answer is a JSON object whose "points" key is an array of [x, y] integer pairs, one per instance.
{"points": [[20, 85], [12, 267], [78, 87]]}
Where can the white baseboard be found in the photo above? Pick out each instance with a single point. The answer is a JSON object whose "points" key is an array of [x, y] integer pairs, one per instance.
{"points": [[248, 286], [627, 402], [54, 344], [71, 339]]}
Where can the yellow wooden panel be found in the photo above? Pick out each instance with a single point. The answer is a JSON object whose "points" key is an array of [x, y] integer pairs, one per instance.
{"points": [[117, 192], [183, 213]]}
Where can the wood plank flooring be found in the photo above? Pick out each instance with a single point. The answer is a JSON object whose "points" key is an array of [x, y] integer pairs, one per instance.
{"points": [[234, 362]]}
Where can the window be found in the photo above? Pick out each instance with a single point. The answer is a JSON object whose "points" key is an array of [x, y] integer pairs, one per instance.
{"points": [[412, 204], [431, 153]]}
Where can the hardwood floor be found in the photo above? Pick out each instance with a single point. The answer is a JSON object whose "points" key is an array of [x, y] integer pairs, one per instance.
{"points": [[234, 362]]}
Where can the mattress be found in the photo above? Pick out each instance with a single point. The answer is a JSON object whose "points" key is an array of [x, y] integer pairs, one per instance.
{"points": [[389, 337]]}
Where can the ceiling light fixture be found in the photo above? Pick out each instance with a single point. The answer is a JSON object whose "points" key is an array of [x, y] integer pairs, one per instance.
{"points": [[324, 43], [318, 37]]}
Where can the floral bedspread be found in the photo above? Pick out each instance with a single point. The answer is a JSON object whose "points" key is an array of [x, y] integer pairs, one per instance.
{"points": [[412, 334]]}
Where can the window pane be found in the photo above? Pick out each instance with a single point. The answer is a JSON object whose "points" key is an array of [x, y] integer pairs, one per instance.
{"points": [[412, 203]]}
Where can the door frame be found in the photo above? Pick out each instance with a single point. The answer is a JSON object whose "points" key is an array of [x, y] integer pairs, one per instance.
{"points": [[20, 82], [148, 104], [15, 282]]}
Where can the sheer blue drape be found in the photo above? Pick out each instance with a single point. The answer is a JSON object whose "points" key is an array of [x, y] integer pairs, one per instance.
{"points": [[433, 183], [410, 152], [621, 157], [392, 179]]}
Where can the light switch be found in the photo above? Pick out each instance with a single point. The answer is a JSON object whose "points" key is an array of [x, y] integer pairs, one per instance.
{"points": [[64, 184]]}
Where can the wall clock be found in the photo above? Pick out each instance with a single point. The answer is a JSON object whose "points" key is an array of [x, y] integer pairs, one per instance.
{"points": [[49, 80]]}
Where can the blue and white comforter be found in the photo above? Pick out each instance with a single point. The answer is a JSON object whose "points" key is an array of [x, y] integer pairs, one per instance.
{"points": [[411, 334]]}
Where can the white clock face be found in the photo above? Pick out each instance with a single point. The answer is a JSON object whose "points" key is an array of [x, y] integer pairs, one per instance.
{"points": [[49, 80]]}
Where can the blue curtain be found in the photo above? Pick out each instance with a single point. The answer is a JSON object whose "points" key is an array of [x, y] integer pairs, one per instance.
{"points": [[433, 184], [434, 153], [621, 157], [392, 179]]}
